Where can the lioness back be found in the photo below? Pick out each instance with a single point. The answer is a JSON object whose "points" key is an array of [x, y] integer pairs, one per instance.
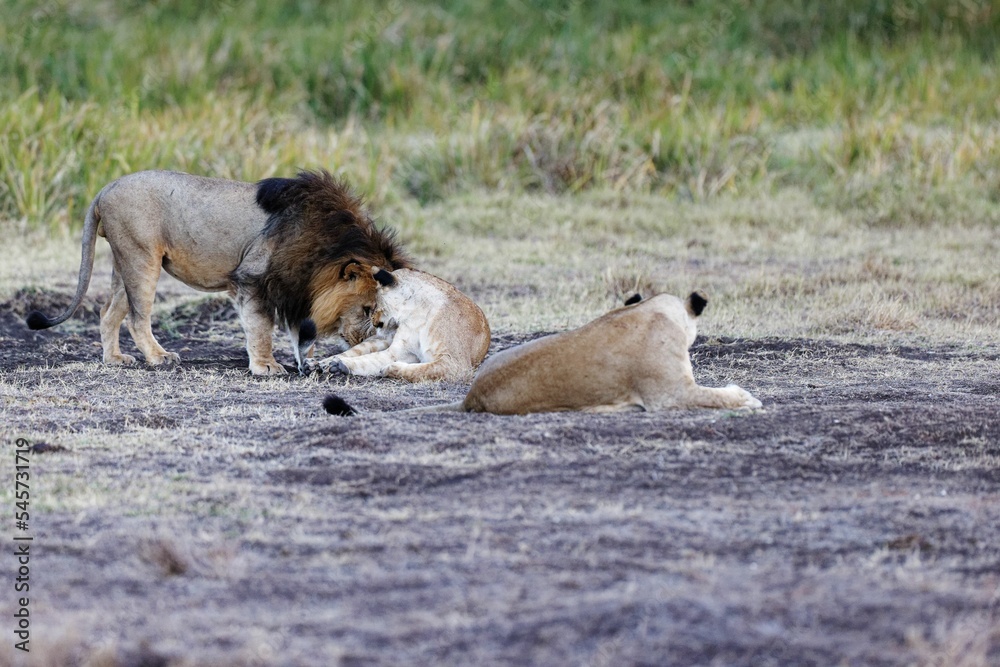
{"points": [[595, 365], [457, 330]]}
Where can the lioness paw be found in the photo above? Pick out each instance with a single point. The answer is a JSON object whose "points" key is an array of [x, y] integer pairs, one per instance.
{"points": [[747, 400]]}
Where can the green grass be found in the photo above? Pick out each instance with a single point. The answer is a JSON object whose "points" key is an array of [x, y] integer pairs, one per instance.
{"points": [[863, 104]]}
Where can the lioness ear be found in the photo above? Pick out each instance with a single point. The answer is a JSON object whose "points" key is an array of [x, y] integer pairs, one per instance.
{"points": [[351, 271], [696, 304], [384, 278], [635, 298]]}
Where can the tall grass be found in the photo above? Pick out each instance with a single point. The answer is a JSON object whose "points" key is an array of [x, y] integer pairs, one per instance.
{"points": [[865, 104]]}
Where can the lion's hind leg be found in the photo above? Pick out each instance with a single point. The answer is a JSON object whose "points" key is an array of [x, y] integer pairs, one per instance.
{"points": [[112, 315], [140, 286], [137, 266]]}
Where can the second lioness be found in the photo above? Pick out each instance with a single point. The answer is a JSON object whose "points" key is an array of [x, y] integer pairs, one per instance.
{"points": [[424, 329]]}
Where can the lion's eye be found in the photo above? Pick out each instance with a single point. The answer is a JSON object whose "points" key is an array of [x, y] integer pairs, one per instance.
{"points": [[367, 310]]}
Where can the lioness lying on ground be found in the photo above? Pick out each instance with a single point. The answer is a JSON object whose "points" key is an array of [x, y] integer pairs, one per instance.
{"points": [[633, 358], [424, 329], [286, 249]]}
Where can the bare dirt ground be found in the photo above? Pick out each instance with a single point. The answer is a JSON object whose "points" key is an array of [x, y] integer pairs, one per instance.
{"points": [[199, 516]]}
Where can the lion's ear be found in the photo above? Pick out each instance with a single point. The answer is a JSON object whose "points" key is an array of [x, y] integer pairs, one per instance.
{"points": [[384, 278], [351, 271]]}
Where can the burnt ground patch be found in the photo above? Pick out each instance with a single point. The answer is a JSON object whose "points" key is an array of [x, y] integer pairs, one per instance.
{"points": [[852, 521]]}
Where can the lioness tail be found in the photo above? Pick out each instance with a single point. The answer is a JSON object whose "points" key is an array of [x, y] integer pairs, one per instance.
{"points": [[335, 405], [37, 320], [457, 406]]}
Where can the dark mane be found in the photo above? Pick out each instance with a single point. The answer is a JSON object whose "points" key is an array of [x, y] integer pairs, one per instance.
{"points": [[316, 221], [313, 189]]}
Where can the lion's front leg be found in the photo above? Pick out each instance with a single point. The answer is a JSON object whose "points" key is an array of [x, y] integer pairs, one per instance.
{"points": [[259, 329]]}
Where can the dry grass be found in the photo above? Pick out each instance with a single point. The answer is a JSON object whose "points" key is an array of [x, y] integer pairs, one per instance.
{"points": [[776, 266], [202, 516]]}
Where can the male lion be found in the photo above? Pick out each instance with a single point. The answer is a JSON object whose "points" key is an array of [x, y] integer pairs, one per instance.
{"points": [[632, 358], [285, 249], [425, 329]]}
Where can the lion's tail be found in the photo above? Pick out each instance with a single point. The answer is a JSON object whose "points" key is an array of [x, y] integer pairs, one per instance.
{"points": [[37, 320], [335, 405]]}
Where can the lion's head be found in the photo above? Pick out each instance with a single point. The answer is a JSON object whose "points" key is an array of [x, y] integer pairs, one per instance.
{"points": [[343, 301]]}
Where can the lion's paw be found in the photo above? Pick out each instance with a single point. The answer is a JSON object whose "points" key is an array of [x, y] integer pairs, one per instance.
{"points": [[164, 359], [271, 367], [119, 360]]}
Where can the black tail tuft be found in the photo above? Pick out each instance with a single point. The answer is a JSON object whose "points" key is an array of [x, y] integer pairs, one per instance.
{"points": [[36, 321], [697, 303], [335, 405], [635, 298]]}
